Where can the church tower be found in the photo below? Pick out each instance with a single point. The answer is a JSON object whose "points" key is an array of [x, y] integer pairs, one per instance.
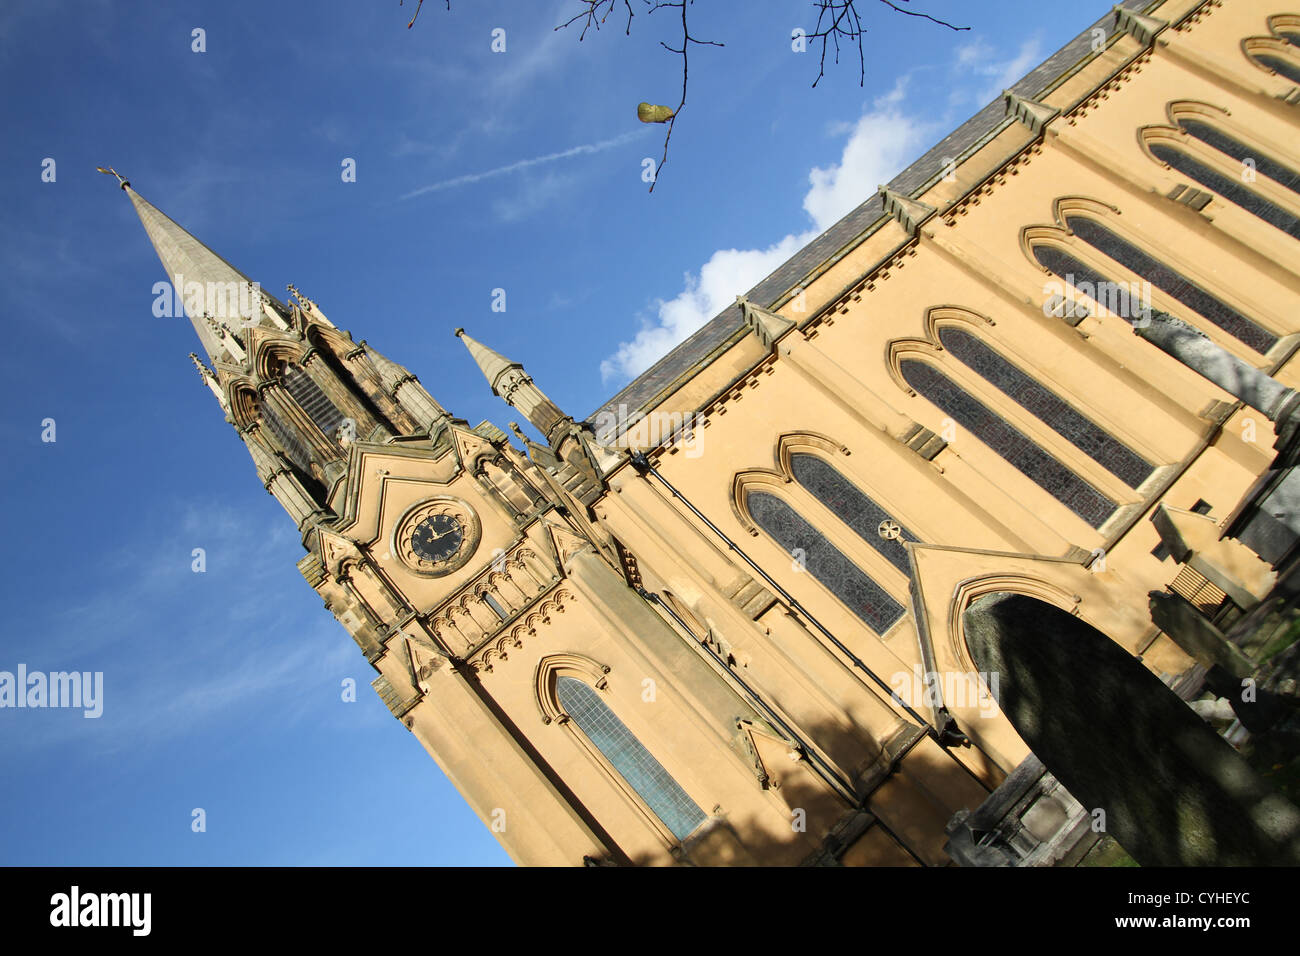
{"points": [[578, 714]]}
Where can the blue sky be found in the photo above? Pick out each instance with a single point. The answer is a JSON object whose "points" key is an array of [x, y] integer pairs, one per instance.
{"points": [[476, 171]]}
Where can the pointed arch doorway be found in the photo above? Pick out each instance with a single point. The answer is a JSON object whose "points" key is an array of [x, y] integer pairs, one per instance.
{"points": [[1173, 793]]}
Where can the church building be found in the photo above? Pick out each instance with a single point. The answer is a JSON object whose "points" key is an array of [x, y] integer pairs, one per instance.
{"points": [[721, 620]]}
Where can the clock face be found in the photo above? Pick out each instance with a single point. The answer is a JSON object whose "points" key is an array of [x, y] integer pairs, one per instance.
{"points": [[438, 538]]}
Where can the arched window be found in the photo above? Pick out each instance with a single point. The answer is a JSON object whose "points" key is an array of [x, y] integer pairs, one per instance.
{"points": [[1165, 278], [643, 773], [825, 562], [294, 447], [872, 523], [1047, 407], [309, 451], [1070, 268], [1283, 26], [1227, 187], [1279, 64], [1018, 449], [1215, 138], [312, 400]]}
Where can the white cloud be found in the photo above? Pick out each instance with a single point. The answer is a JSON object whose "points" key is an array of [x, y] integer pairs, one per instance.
{"points": [[982, 76], [880, 146], [727, 274], [882, 142]]}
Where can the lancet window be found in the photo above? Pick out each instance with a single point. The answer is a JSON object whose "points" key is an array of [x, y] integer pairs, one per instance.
{"points": [[1018, 449], [634, 763]]}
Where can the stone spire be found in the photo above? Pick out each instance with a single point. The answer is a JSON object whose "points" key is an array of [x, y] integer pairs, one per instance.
{"points": [[204, 282], [405, 388], [510, 381], [390, 373], [492, 364]]}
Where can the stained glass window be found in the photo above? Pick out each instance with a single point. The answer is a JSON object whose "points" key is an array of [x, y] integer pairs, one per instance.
{"points": [[853, 507], [312, 400], [1229, 188], [1047, 407], [1280, 64], [289, 439], [1277, 171], [825, 562], [1159, 274], [643, 773], [1069, 267], [1019, 450]]}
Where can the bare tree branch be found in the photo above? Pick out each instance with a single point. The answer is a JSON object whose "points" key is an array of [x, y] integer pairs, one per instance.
{"points": [[841, 18], [687, 40], [839, 9], [418, 5], [594, 16], [845, 23], [923, 16]]}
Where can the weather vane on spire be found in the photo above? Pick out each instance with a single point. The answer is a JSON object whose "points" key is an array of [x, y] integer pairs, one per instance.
{"points": [[113, 172]]}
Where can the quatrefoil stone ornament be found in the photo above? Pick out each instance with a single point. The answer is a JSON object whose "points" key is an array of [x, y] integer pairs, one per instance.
{"points": [[889, 530]]}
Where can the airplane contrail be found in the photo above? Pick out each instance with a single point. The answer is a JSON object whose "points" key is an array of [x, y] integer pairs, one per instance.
{"points": [[584, 149]]}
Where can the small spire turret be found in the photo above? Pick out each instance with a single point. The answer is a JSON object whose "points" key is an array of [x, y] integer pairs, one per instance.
{"points": [[509, 380], [210, 380]]}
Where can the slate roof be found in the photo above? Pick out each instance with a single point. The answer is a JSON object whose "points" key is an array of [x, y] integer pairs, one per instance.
{"points": [[710, 339]]}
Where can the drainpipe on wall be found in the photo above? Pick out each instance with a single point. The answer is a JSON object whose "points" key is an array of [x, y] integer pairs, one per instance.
{"points": [[819, 766], [643, 466]]}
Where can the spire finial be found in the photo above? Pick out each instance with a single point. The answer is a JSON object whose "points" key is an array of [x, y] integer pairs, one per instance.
{"points": [[225, 337], [493, 364], [122, 181], [210, 380], [509, 380], [308, 307]]}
